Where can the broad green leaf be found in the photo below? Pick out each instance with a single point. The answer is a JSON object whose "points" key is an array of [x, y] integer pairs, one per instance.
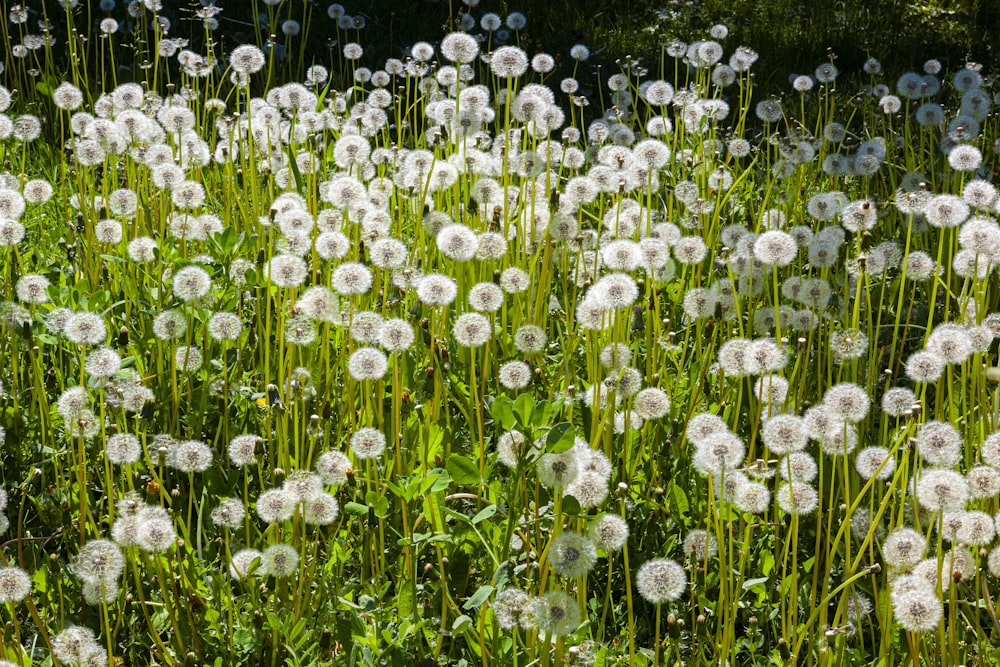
{"points": [[463, 470], [478, 598], [484, 514], [355, 509]]}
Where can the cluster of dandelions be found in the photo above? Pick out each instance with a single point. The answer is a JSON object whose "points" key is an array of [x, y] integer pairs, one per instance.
{"points": [[384, 219]]}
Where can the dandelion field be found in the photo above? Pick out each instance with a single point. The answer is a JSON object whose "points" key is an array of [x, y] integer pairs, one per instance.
{"points": [[482, 356]]}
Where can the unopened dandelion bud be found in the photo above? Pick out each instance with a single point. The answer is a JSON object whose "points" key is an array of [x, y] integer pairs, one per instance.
{"points": [[993, 374], [783, 649], [175, 493]]}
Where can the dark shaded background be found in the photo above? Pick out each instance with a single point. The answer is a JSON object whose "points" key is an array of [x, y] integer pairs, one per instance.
{"points": [[790, 35]]}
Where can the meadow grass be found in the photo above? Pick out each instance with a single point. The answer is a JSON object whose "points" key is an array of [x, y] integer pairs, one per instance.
{"points": [[483, 357]]}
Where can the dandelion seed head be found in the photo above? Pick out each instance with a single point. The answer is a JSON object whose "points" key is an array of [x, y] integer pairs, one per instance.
{"points": [[661, 580]]}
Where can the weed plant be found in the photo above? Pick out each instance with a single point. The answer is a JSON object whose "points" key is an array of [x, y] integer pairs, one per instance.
{"points": [[444, 365]]}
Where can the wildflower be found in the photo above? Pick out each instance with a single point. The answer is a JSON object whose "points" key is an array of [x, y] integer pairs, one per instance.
{"points": [[609, 532], [367, 363], [333, 468], [352, 278], [321, 509], [798, 467], [103, 363], [797, 498], [242, 449], [977, 529], [286, 270], [67, 97], [945, 211], [579, 52], [436, 290], [661, 580], [395, 335], [142, 249], [508, 62], [917, 608], [513, 280], [752, 497], [847, 402], [510, 607], [784, 433], [224, 326], [768, 111], [154, 530], [939, 443], [874, 462], [332, 244], [651, 403], [699, 545], [924, 366], [984, 481], [122, 449], [459, 47], [229, 513], [690, 250], [557, 471], [246, 59], [188, 359], [367, 443], [77, 645], [243, 562], [939, 489], [190, 456], [15, 584], [457, 242], [472, 330], [897, 401], [280, 560], [950, 342], [85, 328], [275, 505], [515, 375], [572, 555], [556, 613], [718, 453], [190, 283], [589, 488], [848, 344], [486, 297]]}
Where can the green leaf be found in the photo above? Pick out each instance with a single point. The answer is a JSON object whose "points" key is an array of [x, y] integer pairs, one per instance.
{"points": [[570, 505], [461, 623], [677, 499], [502, 412], [751, 583], [524, 405], [381, 507], [356, 509], [463, 470], [437, 480], [478, 598], [560, 438], [484, 514]]}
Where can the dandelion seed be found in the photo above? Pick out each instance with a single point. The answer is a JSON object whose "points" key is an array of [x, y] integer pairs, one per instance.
{"points": [[367, 443], [472, 330], [510, 608], [797, 498], [280, 560], [15, 584], [243, 562], [661, 580], [572, 555]]}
